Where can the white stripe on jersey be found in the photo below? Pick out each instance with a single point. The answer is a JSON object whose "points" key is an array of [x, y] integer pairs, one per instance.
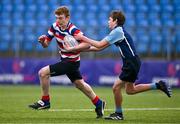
{"points": [[59, 40], [50, 33], [57, 28], [127, 44], [129, 47], [72, 56], [54, 24], [121, 52]]}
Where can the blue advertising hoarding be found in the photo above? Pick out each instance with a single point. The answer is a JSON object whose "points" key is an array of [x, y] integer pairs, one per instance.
{"points": [[95, 72]]}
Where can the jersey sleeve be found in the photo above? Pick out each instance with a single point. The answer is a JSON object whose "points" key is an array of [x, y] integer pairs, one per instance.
{"points": [[74, 30], [115, 35], [50, 34]]}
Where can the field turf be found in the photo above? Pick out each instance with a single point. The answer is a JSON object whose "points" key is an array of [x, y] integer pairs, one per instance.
{"points": [[70, 106]]}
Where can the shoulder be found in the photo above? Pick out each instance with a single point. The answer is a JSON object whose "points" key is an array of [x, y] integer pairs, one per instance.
{"points": [[73, 29], [117, 30], [54, 25]]}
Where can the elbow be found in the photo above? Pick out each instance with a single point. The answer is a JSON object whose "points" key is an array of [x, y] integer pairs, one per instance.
{"points": [[99, 46], [88, 46], [85, 46]]}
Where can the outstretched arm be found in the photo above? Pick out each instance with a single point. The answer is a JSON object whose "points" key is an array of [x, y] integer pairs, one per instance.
{"points": [[98, 44], [93, 49], [84, 47], [80, 47], [87, 44]]}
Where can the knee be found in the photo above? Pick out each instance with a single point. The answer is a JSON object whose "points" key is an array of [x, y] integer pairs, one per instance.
{"points": [[42, 73], [116, 87]]}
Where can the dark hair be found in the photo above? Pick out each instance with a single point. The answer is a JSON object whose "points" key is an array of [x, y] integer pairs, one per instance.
{"points": [[62, 10], [115, 14]]}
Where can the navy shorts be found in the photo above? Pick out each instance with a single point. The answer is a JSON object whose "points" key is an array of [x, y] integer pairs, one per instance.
{"points": [[130, 69], [71, 69]]}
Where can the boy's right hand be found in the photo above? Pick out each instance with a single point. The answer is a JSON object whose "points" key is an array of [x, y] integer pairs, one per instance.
{"points": [[42, 38]]}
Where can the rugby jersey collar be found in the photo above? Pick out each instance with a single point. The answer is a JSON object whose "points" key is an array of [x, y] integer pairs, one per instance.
{"points": [[66, 26]]}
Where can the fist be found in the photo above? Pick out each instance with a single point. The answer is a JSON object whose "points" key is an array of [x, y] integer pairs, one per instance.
{"points": [[42, 38]]}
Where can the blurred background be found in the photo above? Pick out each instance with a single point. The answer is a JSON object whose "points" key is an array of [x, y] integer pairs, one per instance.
{"points": [[153, 24]]}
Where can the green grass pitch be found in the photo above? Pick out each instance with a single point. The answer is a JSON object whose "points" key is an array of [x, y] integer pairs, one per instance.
{"points": [[70, 106]]}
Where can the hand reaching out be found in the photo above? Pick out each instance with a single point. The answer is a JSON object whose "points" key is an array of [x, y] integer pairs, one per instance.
{"points": [[42, 38], [43, 41]]}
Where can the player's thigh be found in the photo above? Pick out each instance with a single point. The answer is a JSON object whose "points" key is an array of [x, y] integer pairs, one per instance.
{"points": [[59, 68], [75, 76]]}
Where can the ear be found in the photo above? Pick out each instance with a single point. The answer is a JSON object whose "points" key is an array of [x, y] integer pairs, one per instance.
{"points": [[115, 21]]}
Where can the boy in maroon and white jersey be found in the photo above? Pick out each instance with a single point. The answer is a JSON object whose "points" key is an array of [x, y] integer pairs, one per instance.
{"points": [[69, 64]]}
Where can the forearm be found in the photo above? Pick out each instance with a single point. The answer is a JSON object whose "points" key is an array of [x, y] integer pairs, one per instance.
{"points": [[92, 49], [92, 42], [80, 47]]}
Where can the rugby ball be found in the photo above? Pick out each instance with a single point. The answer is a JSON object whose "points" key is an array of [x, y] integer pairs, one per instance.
{"points": [[70, 41]]}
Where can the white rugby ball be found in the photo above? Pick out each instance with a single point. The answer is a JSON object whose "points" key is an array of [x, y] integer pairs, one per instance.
{"points": [[70, 41]]}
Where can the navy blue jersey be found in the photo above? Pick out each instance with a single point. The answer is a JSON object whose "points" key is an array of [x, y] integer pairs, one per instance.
{"points": [[131, 62], [123, 41]]}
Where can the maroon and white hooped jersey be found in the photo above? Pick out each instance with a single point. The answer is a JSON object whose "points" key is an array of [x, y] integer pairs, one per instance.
{"points": [[59, 34]]}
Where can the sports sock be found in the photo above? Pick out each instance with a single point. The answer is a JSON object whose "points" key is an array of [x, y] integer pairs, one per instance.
{"points": [[153, 86], [96, 101], [118, 110], [45, 98]]}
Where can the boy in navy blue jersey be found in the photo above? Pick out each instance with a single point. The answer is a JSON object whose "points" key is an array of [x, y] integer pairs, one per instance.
{"points": [[131, 62], [69, 64]]}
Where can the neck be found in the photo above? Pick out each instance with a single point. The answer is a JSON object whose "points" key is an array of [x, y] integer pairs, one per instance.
{"points": [[65, 26], [115, 26]]}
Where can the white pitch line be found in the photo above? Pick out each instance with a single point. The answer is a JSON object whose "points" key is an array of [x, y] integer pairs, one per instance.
{"points": [[126, 109]]}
